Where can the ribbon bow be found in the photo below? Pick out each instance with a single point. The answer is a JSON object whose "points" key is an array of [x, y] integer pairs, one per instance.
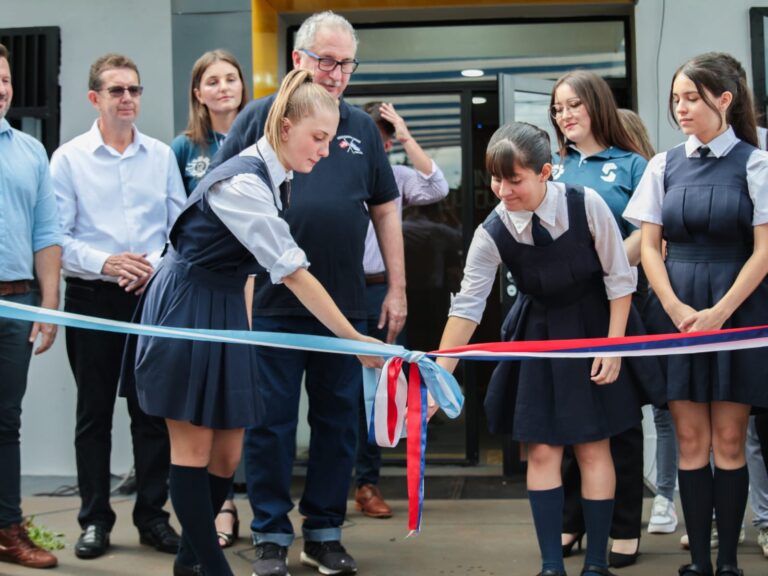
{"points": [[398, 404]]}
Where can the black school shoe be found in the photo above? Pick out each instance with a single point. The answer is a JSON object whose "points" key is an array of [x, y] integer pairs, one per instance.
{"points": [[180, 569], [93, 542], [161, 536], [329, 558]]}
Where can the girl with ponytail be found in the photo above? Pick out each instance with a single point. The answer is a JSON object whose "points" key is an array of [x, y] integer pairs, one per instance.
{"points": [[231, 228], [708, 198]]}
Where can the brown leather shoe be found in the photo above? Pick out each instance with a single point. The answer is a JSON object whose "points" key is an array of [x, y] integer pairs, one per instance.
{"points": [[369, 501], [16, 547]]}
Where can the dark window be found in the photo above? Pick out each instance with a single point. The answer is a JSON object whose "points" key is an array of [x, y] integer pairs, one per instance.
{"points": [[758, 19], [35, 60]]}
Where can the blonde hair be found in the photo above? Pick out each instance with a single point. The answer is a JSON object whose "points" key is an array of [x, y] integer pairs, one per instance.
{"points": [[199, 124], [297, 98]]}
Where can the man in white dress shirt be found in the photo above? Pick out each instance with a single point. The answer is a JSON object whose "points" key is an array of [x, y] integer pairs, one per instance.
{"points": [[118, 193]]}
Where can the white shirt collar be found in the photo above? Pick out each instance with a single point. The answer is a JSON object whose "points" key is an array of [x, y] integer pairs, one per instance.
{"points": [[718, 146], [277, 171], [94, 141], [547, 211]]}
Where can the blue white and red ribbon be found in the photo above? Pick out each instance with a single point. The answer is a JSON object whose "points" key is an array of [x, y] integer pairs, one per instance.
{"points": [[395, 397]]}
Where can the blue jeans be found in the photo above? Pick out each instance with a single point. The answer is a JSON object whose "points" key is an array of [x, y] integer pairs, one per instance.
{"points": [[333, 386], [15, 352], [368, 462], [758, 479], [666, 453]]}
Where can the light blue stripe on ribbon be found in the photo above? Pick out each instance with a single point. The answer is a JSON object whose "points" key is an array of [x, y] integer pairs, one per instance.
{"points": [[441, 383]]}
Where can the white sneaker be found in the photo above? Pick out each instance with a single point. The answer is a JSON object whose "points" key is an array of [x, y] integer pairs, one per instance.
{"points": [[663, 516], [714, 539], [762, 540]]}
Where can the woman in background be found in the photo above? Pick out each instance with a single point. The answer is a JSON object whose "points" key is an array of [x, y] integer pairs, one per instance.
{"points": [[216, 94], [596, 150]]}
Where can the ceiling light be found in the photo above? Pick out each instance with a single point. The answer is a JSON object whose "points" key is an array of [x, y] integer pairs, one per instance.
{"points": [[472, 73], [479, 100]]}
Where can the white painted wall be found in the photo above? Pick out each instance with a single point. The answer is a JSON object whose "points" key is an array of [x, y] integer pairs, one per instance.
{"points": [[140, 29], [690, 27]]}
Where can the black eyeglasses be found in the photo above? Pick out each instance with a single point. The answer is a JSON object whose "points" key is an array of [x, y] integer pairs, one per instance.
{"points": [[118, 91], [327, 64]]}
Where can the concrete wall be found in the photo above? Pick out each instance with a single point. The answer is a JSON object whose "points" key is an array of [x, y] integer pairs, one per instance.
{"points": [[673, 31], [140, 29]]}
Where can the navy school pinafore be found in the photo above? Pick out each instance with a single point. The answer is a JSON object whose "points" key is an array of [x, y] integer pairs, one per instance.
{"points": [[199, 284], [562, 296], [707, 222]]}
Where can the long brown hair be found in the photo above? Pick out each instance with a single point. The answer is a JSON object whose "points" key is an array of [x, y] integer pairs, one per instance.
{"points": [[297, 98], [598, 101], [719, 72], [634, 126], [199, 126]]}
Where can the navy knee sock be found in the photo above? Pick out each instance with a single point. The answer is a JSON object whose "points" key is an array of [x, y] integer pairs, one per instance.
{"points": [[696, 496], [220, 490], [730, 495], [190, 490], [597, 522], [547, 509]]}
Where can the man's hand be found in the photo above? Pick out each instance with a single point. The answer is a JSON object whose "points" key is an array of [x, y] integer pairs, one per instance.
{"points": [[394, 309], [133, 268], [401, 129], [47, 333]]}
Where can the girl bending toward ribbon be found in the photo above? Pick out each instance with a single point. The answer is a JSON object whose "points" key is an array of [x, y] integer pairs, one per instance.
{"points": [[564, 249], [708, 198], [229, 229]]}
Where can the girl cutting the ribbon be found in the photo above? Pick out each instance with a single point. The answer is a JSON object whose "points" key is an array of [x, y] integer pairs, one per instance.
{"points": [[229, 229], [564, 249], [708, 198]]}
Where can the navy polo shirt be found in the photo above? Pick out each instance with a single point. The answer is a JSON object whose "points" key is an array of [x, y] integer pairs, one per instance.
{"points": [[328, 216], [613, 173]]}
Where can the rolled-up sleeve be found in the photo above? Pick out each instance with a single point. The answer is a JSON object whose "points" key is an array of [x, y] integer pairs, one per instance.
{"points": [[483, 261], [646, 202], [46, 230], [246, 207], [757, 184]]}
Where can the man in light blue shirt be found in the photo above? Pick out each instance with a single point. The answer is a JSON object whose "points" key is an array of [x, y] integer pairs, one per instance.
{"points": [[118, 193], [30, 246]]}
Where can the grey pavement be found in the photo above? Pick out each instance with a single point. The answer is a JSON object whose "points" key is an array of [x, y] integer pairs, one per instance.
{"points": [[459, 537]]}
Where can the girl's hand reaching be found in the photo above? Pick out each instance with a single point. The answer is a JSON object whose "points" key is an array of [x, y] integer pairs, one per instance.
{"points": [[369, 361], [605, 370]]}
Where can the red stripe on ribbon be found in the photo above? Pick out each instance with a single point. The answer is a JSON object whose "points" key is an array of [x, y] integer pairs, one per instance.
{"points": [[414, 455], [576, 343], [393, 371]]}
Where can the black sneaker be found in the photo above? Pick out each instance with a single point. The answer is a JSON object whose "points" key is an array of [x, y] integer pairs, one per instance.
{"points": [[328, 557], [271, 560]]}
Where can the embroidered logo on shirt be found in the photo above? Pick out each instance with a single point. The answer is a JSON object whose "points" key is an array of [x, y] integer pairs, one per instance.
{"points": [[609, 172], [197, 167], [350, 144], [557, 171]]}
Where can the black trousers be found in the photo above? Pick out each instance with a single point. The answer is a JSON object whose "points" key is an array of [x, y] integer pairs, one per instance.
{"points": [[95, 358], [627, 452]]}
